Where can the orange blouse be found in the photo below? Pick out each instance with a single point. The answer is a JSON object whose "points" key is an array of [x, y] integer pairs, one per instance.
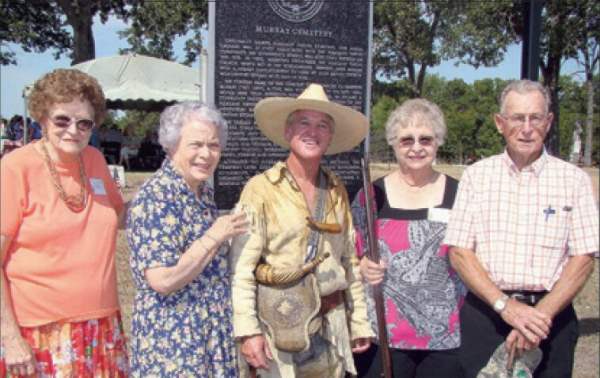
{"points": [[60, 265]]}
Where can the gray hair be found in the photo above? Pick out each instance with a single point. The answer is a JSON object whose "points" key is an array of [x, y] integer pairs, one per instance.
{"points": [[522, 87], [402, 116], [175, 116]]}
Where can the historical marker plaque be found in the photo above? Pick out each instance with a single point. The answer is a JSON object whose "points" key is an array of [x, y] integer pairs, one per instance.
{"points": [[276, 48]]}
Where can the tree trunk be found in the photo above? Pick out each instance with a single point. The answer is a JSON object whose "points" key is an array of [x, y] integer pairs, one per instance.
{"points": [[551, 73], [80, 17], [589, 121], [412, 79], [421, 79], [558, 13], [84, 47]]}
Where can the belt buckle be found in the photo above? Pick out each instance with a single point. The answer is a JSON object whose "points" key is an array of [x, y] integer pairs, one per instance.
{"points": [[524, 298], [534, 299]]}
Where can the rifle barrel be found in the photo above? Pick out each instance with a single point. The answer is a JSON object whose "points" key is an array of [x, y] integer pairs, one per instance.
{"points": [[373, 255]]}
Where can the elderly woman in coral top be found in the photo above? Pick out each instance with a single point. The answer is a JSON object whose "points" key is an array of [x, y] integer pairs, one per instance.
{"points": [[60, 209]]}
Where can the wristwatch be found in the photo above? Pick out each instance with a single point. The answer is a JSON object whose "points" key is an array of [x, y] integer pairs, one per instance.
{"points": [[500, 303]]}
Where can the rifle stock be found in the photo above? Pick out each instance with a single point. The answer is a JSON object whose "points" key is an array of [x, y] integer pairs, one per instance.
{"points": [[373, 255]]}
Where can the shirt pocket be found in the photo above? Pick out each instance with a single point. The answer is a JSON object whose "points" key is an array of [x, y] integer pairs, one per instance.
{"points": [[552, 227]]}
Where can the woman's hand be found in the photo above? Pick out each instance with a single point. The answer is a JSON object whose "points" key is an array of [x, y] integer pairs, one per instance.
{"points": [[227, 226], [361, 345], [371, 272], [18, 356]]}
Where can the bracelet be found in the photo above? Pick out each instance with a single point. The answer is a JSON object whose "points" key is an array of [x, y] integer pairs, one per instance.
{"points": [[211, 238], [201, 242]]}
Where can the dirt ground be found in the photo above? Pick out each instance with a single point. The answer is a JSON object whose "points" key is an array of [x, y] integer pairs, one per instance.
{"points": [[587, 356]]}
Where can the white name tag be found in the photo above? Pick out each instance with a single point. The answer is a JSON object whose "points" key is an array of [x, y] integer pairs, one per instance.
{"points": [[98, 186], [436, 214]]}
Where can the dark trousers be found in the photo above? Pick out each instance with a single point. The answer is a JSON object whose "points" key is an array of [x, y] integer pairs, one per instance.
{"points": [[482, 330], [410, 363]]}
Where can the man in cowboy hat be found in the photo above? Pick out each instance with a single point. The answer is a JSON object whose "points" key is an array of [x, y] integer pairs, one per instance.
{"points": [[299, 212]]}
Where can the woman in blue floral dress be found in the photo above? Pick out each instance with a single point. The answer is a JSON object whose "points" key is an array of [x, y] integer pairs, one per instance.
{"points": [[181, 324]]}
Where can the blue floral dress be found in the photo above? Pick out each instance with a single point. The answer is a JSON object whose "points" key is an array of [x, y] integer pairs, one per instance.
{"points": [[187, 333]]}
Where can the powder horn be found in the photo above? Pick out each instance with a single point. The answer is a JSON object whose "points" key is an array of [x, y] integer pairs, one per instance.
{"points": [[269, 275]]}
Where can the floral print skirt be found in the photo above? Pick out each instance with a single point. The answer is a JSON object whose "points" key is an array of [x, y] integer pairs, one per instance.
{"points": [[91, 348]]}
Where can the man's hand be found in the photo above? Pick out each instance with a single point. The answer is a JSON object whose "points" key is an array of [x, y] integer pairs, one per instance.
{"points": [[532, 323], [519, 342], [361, 344], [256, 351]]}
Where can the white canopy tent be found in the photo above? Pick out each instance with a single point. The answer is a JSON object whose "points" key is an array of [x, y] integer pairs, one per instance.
{"points": [[143, 83], [139, 82]]}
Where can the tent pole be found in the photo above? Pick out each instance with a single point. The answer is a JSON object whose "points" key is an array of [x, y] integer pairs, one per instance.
{"points": [[204, 75], [25, 128]]}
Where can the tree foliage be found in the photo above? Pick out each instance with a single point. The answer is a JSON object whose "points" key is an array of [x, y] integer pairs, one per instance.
{"points": [[380, 112], [39, 25], [139, 122], [574, 110], [586, 37], [410, 36], [155, 25], [34, 25]]}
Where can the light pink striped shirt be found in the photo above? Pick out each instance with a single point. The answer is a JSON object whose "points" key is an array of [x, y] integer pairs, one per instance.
{"points": [[524, 225]]}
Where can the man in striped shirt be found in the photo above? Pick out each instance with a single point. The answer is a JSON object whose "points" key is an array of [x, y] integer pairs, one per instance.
{"points": [[523, 232]]}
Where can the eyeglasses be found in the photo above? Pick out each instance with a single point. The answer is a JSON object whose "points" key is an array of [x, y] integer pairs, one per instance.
{"points": [[518, 120], [409, 141], [63, 122]]}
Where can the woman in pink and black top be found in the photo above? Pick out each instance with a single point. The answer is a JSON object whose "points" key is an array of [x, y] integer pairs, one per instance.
{"points": [[422, 294]]}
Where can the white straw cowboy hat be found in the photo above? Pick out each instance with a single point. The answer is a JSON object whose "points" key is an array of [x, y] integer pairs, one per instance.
{"points": [[351, 126]]}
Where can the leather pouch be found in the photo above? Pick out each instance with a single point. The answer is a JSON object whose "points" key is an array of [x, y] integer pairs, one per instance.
{"points": [[290, 312]]}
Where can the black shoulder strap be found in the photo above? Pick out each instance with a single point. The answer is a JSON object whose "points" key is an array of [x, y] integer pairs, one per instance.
{"points": [[380, 197]]}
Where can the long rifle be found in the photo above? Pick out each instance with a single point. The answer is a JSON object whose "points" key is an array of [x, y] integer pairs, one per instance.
{"points": [[373, 255]]}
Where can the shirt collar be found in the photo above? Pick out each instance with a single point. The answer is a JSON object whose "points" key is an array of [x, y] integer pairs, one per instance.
{"points": [[280, 171], [175, 177], [536, 167]]}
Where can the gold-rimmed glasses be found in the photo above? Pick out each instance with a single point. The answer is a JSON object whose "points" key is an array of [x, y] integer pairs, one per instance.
{"points": [[64, 121]]}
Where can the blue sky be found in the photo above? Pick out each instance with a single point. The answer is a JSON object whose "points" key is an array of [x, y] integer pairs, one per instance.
{"points": [[31, 66]]}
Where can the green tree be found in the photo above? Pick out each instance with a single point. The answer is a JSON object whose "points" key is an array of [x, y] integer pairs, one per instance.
{"points": [[571, 97], [379, 148], [485, 103], [33, 25], [468, 110], [139, 121], [39, 25], [574, 111], [557, 27], [155, 25], [587, 35], [410, 36]]}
